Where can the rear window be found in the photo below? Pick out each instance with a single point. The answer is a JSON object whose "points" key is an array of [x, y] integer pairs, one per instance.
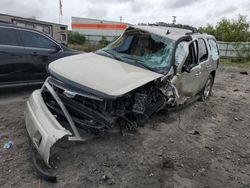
{"points": [[8, 36], [214, 49]]}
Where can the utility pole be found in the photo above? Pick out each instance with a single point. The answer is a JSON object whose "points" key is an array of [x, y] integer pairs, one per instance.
{"points": [[174, 20], [121, 19]]}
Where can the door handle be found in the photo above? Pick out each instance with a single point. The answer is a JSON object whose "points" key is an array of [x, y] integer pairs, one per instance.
{"points": [[198, 74], [34, 54], [208, 66]]}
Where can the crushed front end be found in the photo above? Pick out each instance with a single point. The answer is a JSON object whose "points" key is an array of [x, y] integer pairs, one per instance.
{"points": [[57, 110]]}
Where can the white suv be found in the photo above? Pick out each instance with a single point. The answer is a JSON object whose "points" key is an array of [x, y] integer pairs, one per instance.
{"points": [[147, 69]]}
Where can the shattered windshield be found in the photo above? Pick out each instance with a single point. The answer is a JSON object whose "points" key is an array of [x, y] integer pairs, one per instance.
{"points": [[143, 49]]}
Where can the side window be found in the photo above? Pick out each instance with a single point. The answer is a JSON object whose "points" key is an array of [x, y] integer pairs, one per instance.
{"points": [[214, 49], [192, 58], [31, 39], [203, 52], [180, 53], [8, 36]]}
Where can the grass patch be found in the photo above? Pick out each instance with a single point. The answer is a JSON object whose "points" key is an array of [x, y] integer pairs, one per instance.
{"points": [[235, 62], [85, 47]]}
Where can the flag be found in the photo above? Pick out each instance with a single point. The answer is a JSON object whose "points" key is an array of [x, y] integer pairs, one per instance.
{"points": [[60, 5]]}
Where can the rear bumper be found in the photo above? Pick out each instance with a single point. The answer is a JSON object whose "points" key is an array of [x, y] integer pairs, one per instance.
{"points": [[43, 128]]}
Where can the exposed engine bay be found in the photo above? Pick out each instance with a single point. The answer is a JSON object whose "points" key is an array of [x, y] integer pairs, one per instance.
{"points": [[99, 115]]}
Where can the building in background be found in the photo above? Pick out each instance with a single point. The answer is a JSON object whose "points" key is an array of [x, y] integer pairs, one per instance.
{"points": [[57, 31], [94, 30]]}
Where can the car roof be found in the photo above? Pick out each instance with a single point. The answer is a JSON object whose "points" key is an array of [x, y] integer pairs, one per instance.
{"points": [[12, 25], [173, 33]]}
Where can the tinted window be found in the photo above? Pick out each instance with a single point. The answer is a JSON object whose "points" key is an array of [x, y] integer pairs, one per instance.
{"points": [[214, 49], [31, 39], [203, 54], [8, 36]]}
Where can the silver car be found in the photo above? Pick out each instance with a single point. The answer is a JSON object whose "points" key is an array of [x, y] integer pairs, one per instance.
{"points": [[119, 87]]}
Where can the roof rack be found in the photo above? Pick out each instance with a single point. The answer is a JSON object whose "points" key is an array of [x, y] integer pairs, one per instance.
{"points": [[178, 26], [194, 31]]}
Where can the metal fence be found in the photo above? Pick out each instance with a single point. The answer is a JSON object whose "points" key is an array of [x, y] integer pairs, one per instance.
{"points": [[234, 49]]}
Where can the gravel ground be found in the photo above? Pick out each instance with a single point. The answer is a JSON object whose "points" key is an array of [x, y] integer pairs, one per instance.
{"points": [[204, 145]]}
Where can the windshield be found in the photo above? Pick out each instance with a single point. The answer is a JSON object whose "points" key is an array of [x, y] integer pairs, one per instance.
{"points": [[143, 49]]}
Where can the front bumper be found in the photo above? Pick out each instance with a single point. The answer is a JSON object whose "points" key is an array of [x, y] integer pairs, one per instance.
{"points": [[43, 128]]}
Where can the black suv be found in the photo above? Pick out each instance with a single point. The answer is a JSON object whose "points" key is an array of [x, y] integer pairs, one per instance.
{"points": [[25, 54]]}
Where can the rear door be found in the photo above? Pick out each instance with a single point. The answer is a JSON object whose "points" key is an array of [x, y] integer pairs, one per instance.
{"points": [[204, 62], [41, 50], [14, 65]]}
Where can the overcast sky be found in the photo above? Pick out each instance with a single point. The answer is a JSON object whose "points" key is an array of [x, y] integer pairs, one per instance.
{"points": [[193, 12]]}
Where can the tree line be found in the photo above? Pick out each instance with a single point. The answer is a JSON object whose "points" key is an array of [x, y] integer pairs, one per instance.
{"points": [[229, 30]]}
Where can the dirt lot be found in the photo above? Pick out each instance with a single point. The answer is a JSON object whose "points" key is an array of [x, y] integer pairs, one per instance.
{"points": [[165, 153]]}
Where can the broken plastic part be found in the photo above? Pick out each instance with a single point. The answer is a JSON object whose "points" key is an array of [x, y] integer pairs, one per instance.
{"points": [[180, 53], [76, 136], [40, 172]]}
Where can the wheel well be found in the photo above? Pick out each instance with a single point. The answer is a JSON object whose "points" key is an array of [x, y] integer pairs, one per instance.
{"points": [[213, 74]]}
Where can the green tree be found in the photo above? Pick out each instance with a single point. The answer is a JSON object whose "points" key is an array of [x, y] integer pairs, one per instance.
{"points": [[208, 29], [76, 38], [103, 42], [229, 30]]}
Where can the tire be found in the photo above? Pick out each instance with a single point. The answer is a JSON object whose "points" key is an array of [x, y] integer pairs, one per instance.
{"points": [[207, 90]]}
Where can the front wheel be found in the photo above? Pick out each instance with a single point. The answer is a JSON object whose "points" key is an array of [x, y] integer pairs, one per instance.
{"points": [[207, 90]]}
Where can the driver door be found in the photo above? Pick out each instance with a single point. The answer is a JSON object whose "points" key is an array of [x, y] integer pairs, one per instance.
{"points": [[40, 51], [189, 72]]}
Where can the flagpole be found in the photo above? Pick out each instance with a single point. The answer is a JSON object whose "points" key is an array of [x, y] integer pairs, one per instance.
{"points": [[59, 12]]}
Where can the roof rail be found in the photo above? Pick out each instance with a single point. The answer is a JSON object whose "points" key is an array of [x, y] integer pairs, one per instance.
{"points": [[194, 31], [178, 26]]}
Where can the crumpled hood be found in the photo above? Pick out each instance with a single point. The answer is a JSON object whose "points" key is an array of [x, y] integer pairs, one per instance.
{"points": [[101, 73]]}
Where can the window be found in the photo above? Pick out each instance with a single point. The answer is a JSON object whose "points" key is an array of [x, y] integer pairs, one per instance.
{"points": [[39, 28], [191, 59], [180, 53], [31, 39], [20, 24], [125, 44], [46, 29], [214, 49], [63, 37], [145, 49], [29, 25], [63, 28], [203, 54], [8, 37]]}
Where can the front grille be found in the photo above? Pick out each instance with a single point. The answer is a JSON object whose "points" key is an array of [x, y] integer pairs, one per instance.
{"points": [[87, 113]]}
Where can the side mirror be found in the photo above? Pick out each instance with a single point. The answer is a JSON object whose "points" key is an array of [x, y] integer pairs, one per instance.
{"points": [[57, 48]]}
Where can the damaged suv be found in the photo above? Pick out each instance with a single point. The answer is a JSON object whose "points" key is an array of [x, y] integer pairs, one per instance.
{"points": [[147, 69]]}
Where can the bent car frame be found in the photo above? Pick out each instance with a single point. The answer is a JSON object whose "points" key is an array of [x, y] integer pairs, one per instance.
{"points": [[147, 69]]}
